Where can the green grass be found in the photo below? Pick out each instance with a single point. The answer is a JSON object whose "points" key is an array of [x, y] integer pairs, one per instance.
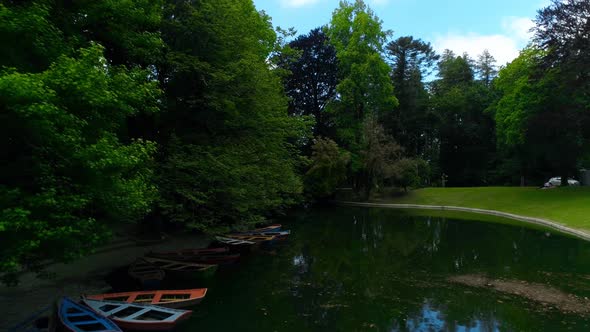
{"points": [[569, 206]]}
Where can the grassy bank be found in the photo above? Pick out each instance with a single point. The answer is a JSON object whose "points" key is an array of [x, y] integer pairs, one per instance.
{"points": [[568, 206]]}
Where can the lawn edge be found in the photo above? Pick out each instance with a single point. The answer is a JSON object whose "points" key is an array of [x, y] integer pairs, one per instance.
{"points": [[537, 221]]}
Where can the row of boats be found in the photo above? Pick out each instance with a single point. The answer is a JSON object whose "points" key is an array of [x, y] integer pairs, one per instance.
{"points": [[160, 310]]}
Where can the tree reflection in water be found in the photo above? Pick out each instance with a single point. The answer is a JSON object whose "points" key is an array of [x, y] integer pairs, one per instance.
{"points": [[354, 269]]}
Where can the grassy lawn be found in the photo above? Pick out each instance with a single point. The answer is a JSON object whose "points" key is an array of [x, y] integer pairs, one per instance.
{"points": [[568, 206]]}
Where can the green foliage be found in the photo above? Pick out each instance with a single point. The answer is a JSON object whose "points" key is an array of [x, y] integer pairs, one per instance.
{"points": [[328, 168], [232, 156], [312, 77], [519, 98], [409, 124], [31, 42], [365, 86], [411, 172], [65, 166], [464, 129]]}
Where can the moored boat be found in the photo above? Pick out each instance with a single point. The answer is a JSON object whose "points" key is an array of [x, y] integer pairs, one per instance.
{"points": [[146, 273], [233, 241], [278, 234], [76, 318], [139, 317], [196, 256], [166, 298], [269, 228], [252, 238], [182, 269]]}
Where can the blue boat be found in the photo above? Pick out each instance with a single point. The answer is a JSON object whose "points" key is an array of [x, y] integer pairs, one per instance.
{"points": [[77, 318]]}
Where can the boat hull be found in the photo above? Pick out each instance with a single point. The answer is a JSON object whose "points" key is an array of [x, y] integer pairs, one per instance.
{"points": [[164, 298], [139, 317]]}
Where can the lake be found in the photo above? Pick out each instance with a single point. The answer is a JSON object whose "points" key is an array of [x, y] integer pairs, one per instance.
{"points": [[365, 269]]}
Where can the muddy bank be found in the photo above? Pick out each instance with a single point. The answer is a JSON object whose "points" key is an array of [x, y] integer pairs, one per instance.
{"points": [[549, 297], [83, 276]]}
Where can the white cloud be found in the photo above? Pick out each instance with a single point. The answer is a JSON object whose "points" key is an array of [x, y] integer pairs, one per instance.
{"points": [[520, 27], [504, 46], [298, 3]]}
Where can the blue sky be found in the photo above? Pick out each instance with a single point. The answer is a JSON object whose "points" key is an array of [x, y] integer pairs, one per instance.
{"points": [[501, 26]]}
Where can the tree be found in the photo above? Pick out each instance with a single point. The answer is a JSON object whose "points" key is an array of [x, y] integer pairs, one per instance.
{"points": [[380, 155], [312, 79], [465, 131], [365, 88], [66, 173], [327, 170], [411, 60], [562, 31], [230, 146], [535, 118], [486, 67]]}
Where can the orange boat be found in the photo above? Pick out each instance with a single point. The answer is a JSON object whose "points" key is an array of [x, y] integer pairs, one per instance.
{"points": [[166, 298]]}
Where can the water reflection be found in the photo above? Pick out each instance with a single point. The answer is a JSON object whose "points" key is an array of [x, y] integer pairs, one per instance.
{"points": [[380, 270]]}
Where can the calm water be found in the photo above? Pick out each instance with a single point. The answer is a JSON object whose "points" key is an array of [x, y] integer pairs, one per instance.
{"points": [[356, 269]]}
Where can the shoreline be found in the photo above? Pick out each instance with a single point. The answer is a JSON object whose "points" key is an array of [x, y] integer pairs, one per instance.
{"points": [[532, 220], [82, 276]]}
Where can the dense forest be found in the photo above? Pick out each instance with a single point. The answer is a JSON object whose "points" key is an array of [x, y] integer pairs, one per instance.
{"points": [[204, 115]]}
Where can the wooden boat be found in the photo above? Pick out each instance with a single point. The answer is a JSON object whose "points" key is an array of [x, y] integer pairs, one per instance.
{"points": [[149, 276], [269, 228], [165, 298], [233, 241], [279, 234], [252, 238], [235, 245], [197, 256], [182, 269], [139, 317], [77, 318], [196, 252]]}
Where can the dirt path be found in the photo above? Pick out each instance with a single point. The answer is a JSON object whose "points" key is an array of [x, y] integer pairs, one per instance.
{"points": [[84, 276]]}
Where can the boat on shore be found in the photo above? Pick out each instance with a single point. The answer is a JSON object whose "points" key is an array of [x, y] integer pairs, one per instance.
{"points": [[166, 298], [276, 234], [138, 317], [252, 237], [269, 228], [235, 245], [182, 269], [197, 256], [77, 318]]}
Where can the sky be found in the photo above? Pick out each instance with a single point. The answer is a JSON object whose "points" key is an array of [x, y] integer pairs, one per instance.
{"points": [[500, 26]]}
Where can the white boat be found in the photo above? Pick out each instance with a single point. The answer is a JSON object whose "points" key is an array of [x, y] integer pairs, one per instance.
{"points": [[233, 242], [138, 317]]}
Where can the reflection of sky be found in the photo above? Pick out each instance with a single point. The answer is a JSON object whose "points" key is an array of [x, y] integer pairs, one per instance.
{"points": [[431, 319]]}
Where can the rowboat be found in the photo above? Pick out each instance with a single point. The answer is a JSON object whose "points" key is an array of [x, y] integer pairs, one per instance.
{"points": [[269, 228], [182, 269], [138, 317], [148, 275], [196, 252], [252, 238], [280, 234], [77, 318], [195, 256], [165, 298]]}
